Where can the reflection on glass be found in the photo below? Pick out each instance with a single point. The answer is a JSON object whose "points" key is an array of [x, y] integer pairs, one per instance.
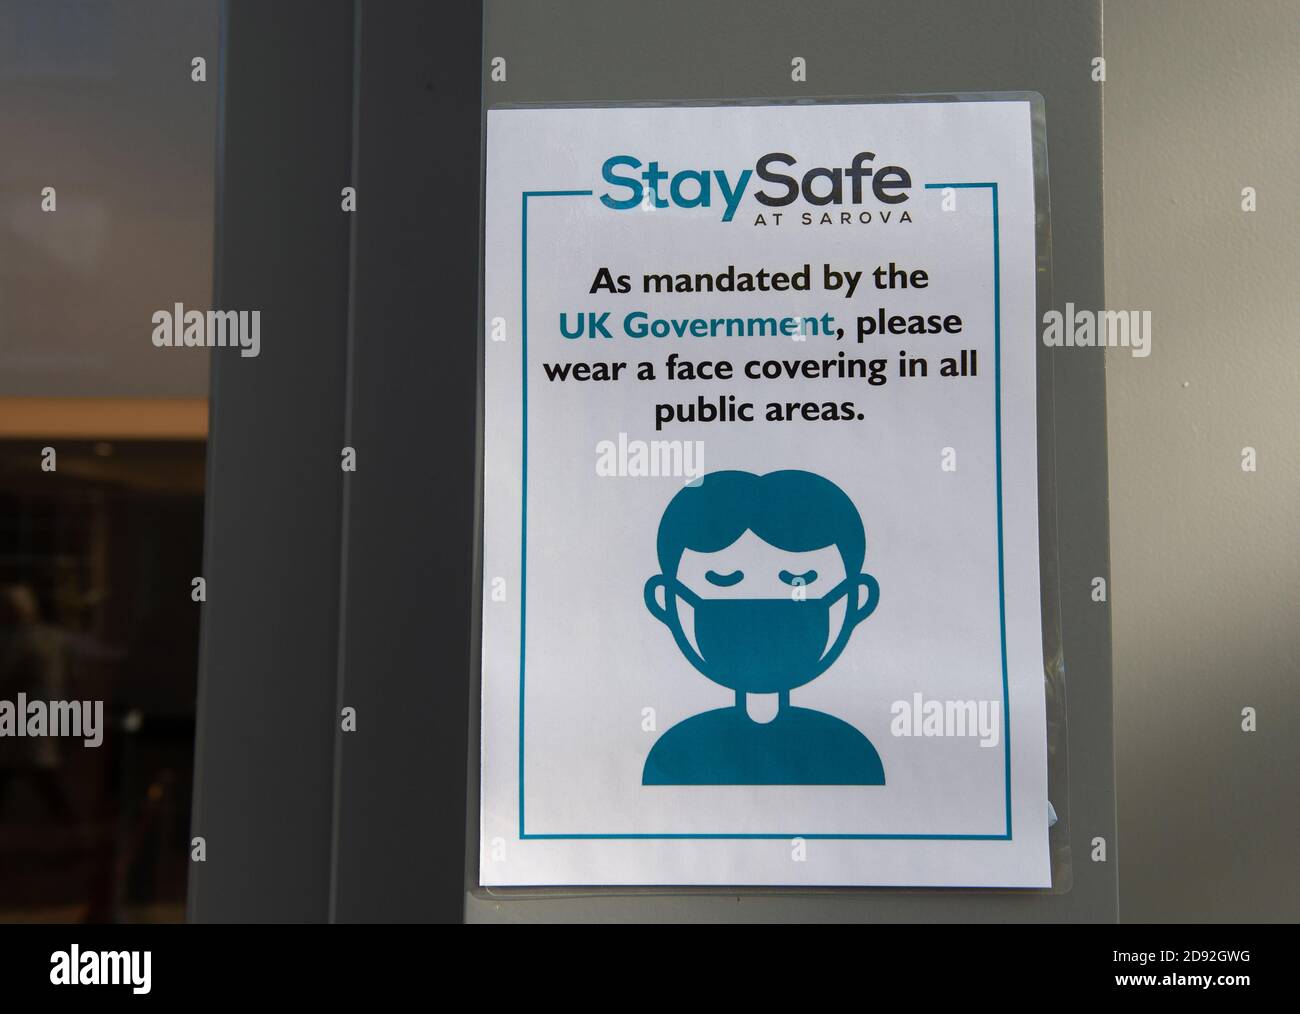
{"points": [[96, 563]]}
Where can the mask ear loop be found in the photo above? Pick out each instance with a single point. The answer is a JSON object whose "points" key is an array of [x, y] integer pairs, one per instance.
{"points": [[852, 614], [865, 580], [652, 586], [668, 615], [663, 613]]}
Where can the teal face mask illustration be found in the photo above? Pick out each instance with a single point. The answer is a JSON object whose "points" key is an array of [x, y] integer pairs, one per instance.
{"points": [[762, 646], [744, 631]]}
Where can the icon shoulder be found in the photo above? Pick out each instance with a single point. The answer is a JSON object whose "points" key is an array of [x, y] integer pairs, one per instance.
{"points": [[849, 754]]}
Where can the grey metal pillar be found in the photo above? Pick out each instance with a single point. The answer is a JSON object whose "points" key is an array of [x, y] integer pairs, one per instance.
{"points": [[330, 589], [268, 657]]}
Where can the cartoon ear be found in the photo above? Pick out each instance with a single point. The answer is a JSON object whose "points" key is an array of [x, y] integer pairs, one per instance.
{"points": [[865, 609], [659, 610]]}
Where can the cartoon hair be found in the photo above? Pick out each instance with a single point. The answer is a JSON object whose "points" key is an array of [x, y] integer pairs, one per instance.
{"points": [[792, 510]]}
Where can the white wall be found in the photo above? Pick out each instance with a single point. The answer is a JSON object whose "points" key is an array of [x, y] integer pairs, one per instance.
{"points": [[1202, 98]]}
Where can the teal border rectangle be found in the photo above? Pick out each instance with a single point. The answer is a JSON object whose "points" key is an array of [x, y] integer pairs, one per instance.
{"points": [[1002, 609]]}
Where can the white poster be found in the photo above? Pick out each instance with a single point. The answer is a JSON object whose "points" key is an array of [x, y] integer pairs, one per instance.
{"points": [[761, 593]]}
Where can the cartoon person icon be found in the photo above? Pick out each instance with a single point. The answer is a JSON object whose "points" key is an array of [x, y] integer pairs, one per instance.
{"points": [[762, 586]]}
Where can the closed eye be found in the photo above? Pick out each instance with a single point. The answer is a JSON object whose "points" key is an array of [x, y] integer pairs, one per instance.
{"points": [[724, 580], [806, 578]]}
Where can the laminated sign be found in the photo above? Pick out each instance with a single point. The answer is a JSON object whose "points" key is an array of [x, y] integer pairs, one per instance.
{"points": [[761, 593]]}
